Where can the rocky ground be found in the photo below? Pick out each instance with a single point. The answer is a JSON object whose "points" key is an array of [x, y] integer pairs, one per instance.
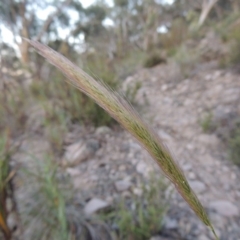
{"points": [[105, 164], [180, 108]]}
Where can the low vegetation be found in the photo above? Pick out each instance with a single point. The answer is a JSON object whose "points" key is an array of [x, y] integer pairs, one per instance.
{"points": [[187, 59], [234, 145], [153, 59], [140, 217], [207, 123], [5, 189], [13, 115], [8, 204], [228, 29], [228, 131], [48, 209], [43, 211]]}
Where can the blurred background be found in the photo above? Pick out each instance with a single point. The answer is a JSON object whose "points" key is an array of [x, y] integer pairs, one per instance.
{"points": [[67, 170]]}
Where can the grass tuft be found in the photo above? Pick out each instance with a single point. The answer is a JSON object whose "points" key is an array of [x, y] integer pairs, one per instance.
{"points": [[44, 214], [8, 205], [4, 187], [140, 218], [207, 123]]}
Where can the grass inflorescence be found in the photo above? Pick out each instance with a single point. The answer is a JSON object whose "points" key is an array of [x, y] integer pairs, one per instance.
{"points": [[122, 112]]}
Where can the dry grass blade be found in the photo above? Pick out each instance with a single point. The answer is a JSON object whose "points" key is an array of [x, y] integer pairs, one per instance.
{"points": [[4, 227], [120, 110]]}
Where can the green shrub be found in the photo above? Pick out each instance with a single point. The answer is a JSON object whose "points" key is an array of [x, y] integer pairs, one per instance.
{"points": [[153, 60]]}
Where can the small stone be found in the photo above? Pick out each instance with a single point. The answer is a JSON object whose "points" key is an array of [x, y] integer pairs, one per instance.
{"points": [[143, 168], [233, 176], [80, 183], [208, 160], [188, 102], [134, 161], [190, 146], [124, 147], [81, 151], [135, 146], [192, 175], [208, 77], [187, 167], [197, 186], [102, 130], [224, 208], [164, 87], [218, 221], [238, 193], [126, 194], [122, 185], [156, 238], [73, 172], [94, 205], [164, 136], [138, 191], [109, 199], [122, 168], [170, 223], [11, 221], [203, 237], [94, 178]]}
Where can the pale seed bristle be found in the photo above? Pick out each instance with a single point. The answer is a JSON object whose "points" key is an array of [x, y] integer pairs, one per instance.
{"points": [[121, 111]]}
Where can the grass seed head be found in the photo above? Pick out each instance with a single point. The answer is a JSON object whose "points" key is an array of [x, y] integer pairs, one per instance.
{"points": [[121, 111]]}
